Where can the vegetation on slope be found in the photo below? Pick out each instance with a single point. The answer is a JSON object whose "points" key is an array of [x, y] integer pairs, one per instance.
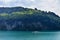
{"points": [[24, 19]]}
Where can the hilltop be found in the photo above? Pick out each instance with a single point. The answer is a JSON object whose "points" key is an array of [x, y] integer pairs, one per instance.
{"points": [[26, 19]]}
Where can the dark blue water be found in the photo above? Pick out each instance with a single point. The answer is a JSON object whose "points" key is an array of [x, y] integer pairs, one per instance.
{"points": [[11, 35]]}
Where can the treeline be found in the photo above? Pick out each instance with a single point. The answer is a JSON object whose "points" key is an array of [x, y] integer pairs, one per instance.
{"points": [[24, 19]]}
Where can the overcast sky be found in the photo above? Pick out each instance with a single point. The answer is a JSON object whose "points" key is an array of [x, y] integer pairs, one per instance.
{"points": [[46, 5]]}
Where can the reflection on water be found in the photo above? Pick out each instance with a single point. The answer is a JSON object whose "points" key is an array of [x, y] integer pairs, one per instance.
{"points": [[29, 35]]}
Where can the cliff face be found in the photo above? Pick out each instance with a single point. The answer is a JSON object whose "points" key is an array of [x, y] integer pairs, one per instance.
{"points": [[25, 19]]}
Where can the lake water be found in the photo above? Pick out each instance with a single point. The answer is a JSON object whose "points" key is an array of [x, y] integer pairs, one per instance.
{"points": [[10, 35]]}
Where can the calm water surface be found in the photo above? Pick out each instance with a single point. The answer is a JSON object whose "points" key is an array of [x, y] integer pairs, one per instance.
{"points": [[6, 35]]}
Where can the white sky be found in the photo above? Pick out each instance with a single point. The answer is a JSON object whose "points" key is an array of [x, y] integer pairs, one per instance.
{"points": [[46, 5]]}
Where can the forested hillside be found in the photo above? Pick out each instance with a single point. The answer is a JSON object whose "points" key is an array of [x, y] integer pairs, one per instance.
{"points": [[26, 19]]}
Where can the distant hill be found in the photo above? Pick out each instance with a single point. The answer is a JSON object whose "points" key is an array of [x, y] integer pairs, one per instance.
{"points": [[26, 19], [12, 9]]}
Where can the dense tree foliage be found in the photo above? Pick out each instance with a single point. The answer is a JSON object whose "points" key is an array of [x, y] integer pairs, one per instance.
{"points": [[24, 19]]}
